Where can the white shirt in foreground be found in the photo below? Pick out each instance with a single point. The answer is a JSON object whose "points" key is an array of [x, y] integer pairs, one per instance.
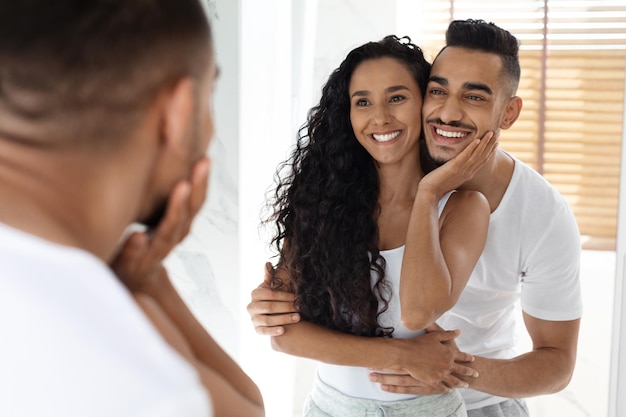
{"points": [[73, 343]]}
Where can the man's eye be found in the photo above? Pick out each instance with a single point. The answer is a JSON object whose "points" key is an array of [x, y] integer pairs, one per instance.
{"points": [[475, 98]]}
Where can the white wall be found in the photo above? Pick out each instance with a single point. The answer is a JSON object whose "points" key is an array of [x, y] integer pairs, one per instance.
{"points": [[617, 398], [266, 132], [205, 268]]}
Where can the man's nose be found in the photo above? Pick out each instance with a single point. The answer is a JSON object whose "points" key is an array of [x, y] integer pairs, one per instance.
{"points": [[451, 110]]}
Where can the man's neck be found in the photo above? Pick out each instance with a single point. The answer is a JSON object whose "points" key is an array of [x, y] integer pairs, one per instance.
{"points": [[493, 179], [65, 202]]}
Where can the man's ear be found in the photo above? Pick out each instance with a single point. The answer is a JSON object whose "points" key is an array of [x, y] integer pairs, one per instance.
{"points": [[177, 112], [512, 112]]}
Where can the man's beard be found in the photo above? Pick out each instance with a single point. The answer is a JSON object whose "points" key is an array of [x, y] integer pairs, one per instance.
{"points": [[429, 163], [155, 217]]}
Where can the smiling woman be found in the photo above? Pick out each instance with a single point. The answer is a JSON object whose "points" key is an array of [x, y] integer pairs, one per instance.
{"points": [[355, 233], [386, 110]]}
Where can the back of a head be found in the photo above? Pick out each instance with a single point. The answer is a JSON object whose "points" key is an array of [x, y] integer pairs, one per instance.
{"points": [[487, 37], [75, 70]]}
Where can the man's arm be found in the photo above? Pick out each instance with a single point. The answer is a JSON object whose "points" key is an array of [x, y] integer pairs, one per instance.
{"points": [[139, 266], [546, 369], [233, 393], [231, 396], [430, 358], [271, 310]]}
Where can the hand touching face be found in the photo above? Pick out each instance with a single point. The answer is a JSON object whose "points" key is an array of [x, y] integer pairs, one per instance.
{"points": [[139, 262]]}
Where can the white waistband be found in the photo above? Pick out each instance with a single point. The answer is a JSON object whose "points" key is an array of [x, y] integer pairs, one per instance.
{"points": [[355, 382]]}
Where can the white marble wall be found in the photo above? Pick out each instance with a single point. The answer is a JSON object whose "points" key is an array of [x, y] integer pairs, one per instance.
{"points": [[205, 268]]}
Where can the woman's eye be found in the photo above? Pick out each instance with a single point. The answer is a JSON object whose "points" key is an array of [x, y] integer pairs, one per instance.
{"points": [[395, 99], [361, 102]]}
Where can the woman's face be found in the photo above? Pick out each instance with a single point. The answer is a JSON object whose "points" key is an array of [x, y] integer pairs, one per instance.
{"points": [[385, 110]]}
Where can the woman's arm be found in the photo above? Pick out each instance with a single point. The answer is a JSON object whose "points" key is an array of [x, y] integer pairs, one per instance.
{"points": [[440, 255], [431, 358], [441, 252]]}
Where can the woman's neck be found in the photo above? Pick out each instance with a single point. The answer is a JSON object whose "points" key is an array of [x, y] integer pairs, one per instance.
{"points": [[398, 182], [398, 188]]}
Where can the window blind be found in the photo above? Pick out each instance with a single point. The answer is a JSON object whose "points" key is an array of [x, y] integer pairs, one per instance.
{"points": [[573, 59]]}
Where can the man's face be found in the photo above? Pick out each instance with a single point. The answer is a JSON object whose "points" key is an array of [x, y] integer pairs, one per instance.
{"points": [[465, 99], [200, 131]]}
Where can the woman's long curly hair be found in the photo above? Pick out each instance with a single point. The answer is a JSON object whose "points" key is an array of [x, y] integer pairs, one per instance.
{"points": [[325, 206]]}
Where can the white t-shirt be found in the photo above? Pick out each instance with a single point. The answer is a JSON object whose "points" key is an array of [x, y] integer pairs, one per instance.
{"points": [[354, 381], [532, 255], [73, 343]]}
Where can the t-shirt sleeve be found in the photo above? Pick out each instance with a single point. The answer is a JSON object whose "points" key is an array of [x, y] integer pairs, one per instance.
{"points": [[551, 273]]}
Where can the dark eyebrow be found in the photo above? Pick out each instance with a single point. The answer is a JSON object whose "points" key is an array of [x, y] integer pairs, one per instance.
{"points": [[392, 89], [360, 93], [477, 86], [466, 86], [438, 80], [395, 88]]}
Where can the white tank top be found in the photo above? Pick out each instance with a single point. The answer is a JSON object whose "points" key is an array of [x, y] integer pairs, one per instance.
{"points": [[354, 381]]}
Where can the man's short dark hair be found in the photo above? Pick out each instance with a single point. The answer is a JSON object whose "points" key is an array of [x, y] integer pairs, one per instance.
{"points": [[488, 37], [85, 68]]}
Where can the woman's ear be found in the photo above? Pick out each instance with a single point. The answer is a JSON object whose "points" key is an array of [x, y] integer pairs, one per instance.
{"points": [[177, 113], [512, 112]]}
